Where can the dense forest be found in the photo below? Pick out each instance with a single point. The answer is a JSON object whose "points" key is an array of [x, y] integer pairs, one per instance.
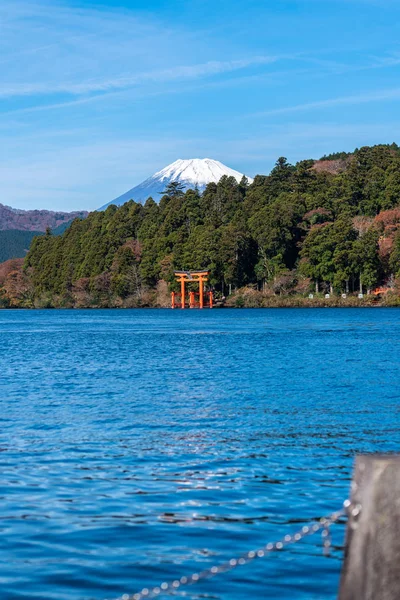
{"points": [[15, 243], [328, 226]]}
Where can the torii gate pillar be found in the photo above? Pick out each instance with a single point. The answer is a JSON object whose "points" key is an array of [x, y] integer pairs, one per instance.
{"points": [[201, 292], [182, 293]]}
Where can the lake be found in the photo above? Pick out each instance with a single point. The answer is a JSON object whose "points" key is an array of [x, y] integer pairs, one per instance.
{"points": [[138, 446]]}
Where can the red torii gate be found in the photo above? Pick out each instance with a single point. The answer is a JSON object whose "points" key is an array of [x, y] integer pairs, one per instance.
{"points": [[199, 277]]}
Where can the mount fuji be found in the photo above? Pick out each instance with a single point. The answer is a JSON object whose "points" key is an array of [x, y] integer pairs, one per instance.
{"points": [[196, 172]]}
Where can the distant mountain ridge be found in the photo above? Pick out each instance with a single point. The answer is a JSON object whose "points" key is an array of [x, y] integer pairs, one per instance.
{"points": [[191, 173], [19, 227], [35, 220]]}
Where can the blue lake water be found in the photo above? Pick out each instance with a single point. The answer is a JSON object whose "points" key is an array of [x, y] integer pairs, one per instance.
{"points": [[137, 446]]}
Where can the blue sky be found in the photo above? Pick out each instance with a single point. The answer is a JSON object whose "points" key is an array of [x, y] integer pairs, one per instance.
{"points": [[95, 97]]}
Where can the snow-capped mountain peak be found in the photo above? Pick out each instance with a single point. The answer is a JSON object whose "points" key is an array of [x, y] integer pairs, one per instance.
{"points": [[199, 171], [195, 172]]}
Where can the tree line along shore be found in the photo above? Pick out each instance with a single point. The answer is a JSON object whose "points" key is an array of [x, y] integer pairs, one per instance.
{"points": [[318, 233]]}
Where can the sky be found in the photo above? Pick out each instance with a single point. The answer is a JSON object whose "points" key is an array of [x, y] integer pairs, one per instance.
{"points": [[97, 96]]}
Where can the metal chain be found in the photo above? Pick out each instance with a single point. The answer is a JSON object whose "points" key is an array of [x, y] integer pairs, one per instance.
{"points": [[323, 524]]}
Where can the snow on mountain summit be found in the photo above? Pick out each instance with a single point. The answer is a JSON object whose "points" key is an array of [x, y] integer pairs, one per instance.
{"points": [[199, 171], [195, 172]]}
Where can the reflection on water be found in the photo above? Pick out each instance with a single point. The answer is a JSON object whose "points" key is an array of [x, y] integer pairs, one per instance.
{"points": [[138, 446]]}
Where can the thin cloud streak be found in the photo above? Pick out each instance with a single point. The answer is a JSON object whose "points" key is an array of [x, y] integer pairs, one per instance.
{"points": [[82, 175], [164, 75], [382, 96], [274, 78], [116, 87]]}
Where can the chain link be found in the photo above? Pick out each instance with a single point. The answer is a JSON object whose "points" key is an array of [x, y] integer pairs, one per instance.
{"points": [[323, 524]]}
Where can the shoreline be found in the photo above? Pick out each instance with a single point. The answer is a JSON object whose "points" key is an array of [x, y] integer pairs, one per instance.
{"points": [[275, 305]]}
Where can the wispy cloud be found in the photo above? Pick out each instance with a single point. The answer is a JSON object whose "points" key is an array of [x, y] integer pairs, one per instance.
{"points": [[55, 49], [381, 62], [87, 175], [180, 72], [272, 78], [176, 73], [365, 98], [93, 100]]}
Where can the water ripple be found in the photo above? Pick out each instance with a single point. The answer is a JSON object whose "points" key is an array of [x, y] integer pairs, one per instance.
{"points": [[141, 445]]}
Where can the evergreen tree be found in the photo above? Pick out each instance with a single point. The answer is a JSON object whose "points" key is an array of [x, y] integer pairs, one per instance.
{"points": [[336, 226], [174, 189]]}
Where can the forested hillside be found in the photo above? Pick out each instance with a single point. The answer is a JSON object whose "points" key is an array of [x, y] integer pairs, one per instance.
{"points": [[14, 243], [19, 227], [324, 226]]}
